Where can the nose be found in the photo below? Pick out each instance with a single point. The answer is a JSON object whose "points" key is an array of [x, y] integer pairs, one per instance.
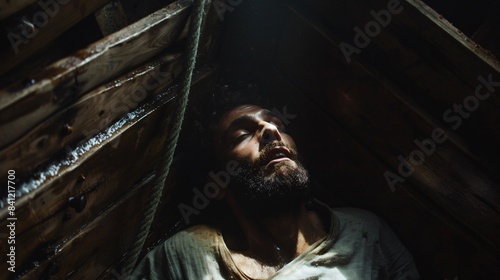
{"points": [[269, 133]]}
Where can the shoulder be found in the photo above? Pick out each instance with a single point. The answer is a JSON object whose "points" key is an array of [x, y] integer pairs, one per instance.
{"points": [[355, 214], [355, 218], [183, 256], [195, 232], [190, 240], [349, 220], [361, 230], [389, 254], [199, 237]]}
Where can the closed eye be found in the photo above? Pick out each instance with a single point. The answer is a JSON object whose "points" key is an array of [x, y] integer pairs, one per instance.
{"points": [[241, 136]]}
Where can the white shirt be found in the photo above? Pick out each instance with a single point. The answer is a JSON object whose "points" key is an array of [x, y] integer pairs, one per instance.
{"points": [[358, 246]]}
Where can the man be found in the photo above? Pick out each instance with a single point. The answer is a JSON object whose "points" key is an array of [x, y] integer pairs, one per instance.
{"points": [[276, 231]]}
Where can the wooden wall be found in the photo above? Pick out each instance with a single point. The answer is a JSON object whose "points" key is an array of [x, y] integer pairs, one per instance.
{"points": [[354, 119], [477, 19], [83, 119], [84, 134]]}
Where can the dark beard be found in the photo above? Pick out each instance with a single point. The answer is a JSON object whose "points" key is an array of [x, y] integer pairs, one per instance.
{"points": [[267, 193]]}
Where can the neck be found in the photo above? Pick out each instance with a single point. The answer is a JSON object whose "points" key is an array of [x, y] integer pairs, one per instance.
{"points": [[275, 239]]}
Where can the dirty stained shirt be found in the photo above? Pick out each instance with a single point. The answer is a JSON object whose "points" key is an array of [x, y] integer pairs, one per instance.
{"points": [[359, 246]]}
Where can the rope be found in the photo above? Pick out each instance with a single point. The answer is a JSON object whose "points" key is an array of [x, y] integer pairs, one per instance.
{"points": [[171, 142]]}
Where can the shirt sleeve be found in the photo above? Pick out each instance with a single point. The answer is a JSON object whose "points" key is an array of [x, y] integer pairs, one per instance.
{"points": [[399, 264], [189, 254], [152, 266]]}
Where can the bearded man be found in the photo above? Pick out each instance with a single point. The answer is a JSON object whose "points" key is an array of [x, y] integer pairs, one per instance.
{"points": [[277, 231]]}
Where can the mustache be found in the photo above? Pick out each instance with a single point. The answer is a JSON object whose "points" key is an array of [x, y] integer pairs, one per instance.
{"points": [[264, 154]]}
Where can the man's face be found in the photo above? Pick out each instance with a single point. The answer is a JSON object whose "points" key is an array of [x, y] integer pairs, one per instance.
{"points": [[270, 174]]}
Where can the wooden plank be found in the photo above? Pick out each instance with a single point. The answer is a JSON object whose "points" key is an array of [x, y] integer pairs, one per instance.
{"points": [[68, 78], [100, 176], [448, 176], [416, 21], [49, 54], [421, 54], [30, 189], [204, 79], [483, 34], [483, 118], [98, 108], [100, 170], [68, 43], [459, 63], [39, 25], [97, 244], [421, 12], [353, 174], [8, 7], [90, 114], [428, 107], [168, 219]]}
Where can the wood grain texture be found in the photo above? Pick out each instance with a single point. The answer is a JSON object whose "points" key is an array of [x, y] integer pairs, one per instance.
{"points": [[8, 7], [352, 122], [90, 114], [337, 154], [67, 79], [97, 243], [102, 174], [105, 176], [424, 55], [388, 127], [41, 24], [103, 168], [168, 219], [352, 173]]}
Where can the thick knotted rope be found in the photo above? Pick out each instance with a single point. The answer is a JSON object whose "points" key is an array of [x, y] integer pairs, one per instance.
{"points": [[171, 141]]}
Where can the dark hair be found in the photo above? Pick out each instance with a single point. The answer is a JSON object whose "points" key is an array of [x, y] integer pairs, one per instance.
{"points": [[224, 98]]}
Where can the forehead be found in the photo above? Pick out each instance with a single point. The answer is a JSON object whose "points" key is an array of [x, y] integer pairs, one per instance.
{"points": [[237, 113]]}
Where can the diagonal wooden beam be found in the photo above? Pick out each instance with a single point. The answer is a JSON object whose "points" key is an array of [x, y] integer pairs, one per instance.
{"points": [[38, 25], [90, 114], [23, 106], [8, 7]]}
